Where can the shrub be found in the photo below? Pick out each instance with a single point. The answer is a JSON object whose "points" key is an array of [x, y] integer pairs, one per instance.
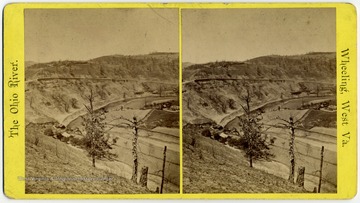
{"points": [[231, 103], [65, 139], [233, 142], [206, 133], [36, 141], [66, 107], [74, 103], [58, 135], [193, 141], [217, 136], [77, 141], [48, 132]]}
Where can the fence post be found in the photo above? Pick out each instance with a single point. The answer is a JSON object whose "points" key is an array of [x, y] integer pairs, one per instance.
{"points": [[321, 165], [143, 177], [163, 172], [301, 176]]}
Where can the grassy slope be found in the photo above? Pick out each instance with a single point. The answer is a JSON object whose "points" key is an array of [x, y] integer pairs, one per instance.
{"points": [[53, 158], [210, 167]]}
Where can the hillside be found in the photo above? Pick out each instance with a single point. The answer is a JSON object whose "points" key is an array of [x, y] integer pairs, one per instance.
{"points": [[155, 66], [55, 167], [56, 90], [211, 167], [214, 90]]}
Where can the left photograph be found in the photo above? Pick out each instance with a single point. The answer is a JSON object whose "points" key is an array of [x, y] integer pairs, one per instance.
{"points": [[102, 101]]}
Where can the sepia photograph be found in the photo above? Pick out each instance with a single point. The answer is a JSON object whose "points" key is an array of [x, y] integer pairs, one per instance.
{"points": [[259, 100], [101, 101]]}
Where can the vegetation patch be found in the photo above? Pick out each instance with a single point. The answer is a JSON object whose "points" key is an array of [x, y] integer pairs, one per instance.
{"points": [[161, 118], [318, 118]]}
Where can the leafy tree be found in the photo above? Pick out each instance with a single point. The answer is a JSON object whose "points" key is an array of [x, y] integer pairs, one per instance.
{"points": [[253, 140], [96, 143]]}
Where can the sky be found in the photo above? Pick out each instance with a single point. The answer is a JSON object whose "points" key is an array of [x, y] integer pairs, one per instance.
{"points": [[240, 34], [82, 34]]}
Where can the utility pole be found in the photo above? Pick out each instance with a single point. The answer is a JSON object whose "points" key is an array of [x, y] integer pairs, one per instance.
{"points": [[321, 165], [163, 172], [291, 150]]}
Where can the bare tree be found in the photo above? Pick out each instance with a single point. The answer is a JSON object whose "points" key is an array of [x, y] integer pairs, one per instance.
{"points": [[247, 100], [161, 90], [291, 124], [135, 125], [176, 92], [317, 90]]}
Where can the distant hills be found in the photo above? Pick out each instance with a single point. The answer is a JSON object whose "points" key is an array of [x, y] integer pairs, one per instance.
{"points": [[311, 66], [158, 66], [29, 63]]}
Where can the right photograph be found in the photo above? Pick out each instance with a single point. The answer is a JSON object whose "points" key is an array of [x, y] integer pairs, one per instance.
{"points": [[259, 100]]}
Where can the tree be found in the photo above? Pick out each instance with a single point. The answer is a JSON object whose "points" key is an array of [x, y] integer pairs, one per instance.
{"points": [[176, 92], [161, 89], [258, 71], [253, 141], [317, 90], [95, 141]]}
